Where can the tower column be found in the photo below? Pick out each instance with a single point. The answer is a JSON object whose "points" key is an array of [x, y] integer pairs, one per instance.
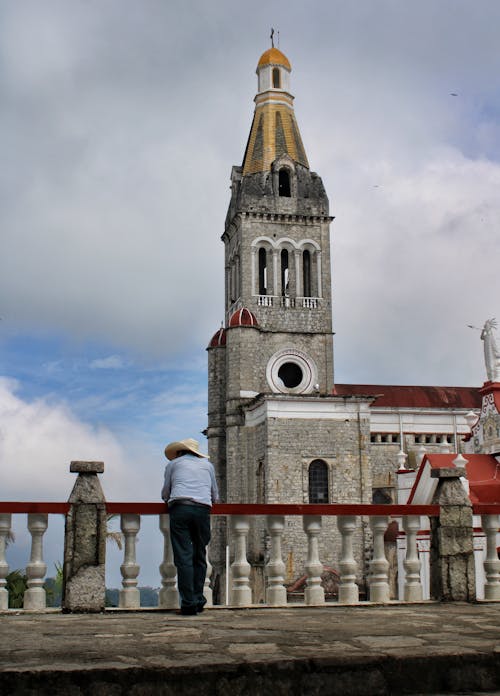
{"points": [[275, 253], [238, 278], [253, 261], [318, 271], [298, 280]]}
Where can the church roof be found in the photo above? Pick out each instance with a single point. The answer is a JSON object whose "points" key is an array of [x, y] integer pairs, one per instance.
{"points": [[482, 471], [397, 396], [274, 130], [243, 317], [218, 339], [273, 56]]}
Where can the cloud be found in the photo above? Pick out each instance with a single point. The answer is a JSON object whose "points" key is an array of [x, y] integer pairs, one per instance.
{"points": [[119, 128], [112, 362], [38, 440], [415, 284]]}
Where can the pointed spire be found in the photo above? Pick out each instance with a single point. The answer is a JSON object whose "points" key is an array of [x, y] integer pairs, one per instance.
{"points": [[274, 129]]}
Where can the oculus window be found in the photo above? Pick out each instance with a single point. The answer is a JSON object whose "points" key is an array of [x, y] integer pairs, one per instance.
{"points": [[291, 372]]}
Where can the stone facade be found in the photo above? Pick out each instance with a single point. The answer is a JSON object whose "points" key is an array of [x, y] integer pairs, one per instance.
{"points": [[275, 414], [486, 431]]}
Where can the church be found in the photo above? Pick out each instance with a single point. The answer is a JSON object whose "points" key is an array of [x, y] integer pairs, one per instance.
{"points": [[280, 430]]}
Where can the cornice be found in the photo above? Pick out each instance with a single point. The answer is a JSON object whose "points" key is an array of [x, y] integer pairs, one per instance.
{"points": [[286, 218]]}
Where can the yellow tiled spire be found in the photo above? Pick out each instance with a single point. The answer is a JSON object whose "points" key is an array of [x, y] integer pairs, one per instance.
{"points": [[274, 129]]}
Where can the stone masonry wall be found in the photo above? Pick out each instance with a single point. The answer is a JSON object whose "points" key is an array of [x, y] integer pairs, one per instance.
{"points": [[249, 350]]}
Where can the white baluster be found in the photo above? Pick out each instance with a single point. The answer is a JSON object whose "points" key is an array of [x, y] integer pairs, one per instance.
{"points": [[314, 593], [348, 590], [421, 452], [207, 590], [491, 562], [35, 597], [168, 597], [241, 594], [129, 595], [412, 564], [275, 568], [379, 565], [5, 523]]}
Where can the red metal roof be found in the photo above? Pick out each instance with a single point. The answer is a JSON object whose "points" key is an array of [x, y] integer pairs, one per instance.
{"points": [[482, 470], [218, 339], [243, 317], [391, 395]]}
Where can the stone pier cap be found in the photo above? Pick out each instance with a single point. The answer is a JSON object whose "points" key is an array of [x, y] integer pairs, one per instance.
{"points": [[81, 467]]}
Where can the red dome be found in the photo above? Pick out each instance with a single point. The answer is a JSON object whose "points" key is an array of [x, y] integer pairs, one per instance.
{"points": [[243, 317], [218, 339]]}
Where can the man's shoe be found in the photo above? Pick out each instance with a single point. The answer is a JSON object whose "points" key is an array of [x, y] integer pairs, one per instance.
{"points": [[200, 608], [187, 611]]}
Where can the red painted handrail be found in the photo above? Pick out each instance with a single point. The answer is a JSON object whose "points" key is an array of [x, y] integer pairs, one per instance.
{"points": [[244, 509], [486, 508], [255, 509], [50, 508]]}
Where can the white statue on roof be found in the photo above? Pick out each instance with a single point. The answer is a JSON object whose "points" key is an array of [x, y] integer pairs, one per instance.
{"points": [[491, 352]]}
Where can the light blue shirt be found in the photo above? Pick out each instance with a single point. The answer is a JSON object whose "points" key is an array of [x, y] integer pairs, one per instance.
{"points": [[190, 478]]}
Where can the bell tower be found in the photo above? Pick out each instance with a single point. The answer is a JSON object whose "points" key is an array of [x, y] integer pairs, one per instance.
{"points": [[277, 245], [276, 431]]}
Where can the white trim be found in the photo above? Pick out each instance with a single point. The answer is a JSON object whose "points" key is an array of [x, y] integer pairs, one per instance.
{"points": [[248, 394], [277, 243], [304, 409], [263, 102]]}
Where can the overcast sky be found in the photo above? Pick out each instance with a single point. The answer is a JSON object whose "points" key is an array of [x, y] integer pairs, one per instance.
{"points": [[119, 124]]}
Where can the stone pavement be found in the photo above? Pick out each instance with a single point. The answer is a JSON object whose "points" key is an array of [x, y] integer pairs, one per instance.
{"points": [[358, 650]]}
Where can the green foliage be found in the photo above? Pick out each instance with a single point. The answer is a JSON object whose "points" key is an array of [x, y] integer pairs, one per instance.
{"points": [[115, 537], [148, 595], [53, 587], [16, 584]]}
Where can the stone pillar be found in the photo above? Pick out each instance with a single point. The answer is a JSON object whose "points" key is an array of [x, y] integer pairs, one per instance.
{"points": [[452, 543], [85, 542]]}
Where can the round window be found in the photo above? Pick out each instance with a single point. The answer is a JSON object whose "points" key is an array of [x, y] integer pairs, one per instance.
{"points": [[291, 372]]}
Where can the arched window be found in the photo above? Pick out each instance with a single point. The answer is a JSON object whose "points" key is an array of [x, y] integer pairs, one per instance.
{"points": [[232, 285], [276, 78], [284, 272], [261, 483], [381, 497], [262, 271], [284, 183], [318, 482], [306, 273]]}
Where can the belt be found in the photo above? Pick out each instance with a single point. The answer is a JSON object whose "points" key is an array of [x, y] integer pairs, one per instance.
{"points": [[187, 501]]}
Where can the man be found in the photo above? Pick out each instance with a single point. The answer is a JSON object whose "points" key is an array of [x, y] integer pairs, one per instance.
{"points": [[190, 489]]}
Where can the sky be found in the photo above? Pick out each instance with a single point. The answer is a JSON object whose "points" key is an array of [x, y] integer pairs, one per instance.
{"points": [[119, 124]]}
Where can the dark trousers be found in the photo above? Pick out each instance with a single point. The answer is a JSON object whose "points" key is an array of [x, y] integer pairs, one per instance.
{"points": [[190, 534]]}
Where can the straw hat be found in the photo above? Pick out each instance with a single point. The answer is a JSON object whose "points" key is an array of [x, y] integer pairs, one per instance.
{"points": [[189, 444]]}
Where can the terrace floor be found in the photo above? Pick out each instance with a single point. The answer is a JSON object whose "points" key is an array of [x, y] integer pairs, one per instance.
{"points": [[423, 648]]}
